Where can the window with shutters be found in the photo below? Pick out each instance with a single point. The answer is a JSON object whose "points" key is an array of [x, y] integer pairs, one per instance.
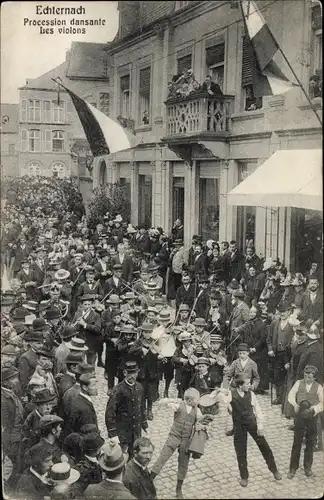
{"points": [[144, 95], [58, 112], [23, 110], [47, 115], [57, 141], [24, 140], [215, 63], [34, 111], [104, 102], [125, 96], [34, 140], [251, 102], [184, 63]]}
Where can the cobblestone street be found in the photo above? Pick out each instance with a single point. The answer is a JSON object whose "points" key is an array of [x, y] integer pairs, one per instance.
{"points": [[215, 475]]}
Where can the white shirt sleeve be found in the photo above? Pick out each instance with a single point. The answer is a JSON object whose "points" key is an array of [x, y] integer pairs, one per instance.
{"points": [[319, 407], [257, 410], [293, 392]]}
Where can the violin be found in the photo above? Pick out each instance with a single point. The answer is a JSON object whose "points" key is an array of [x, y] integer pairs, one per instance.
{"points": [[151, 346], [219, 357]]}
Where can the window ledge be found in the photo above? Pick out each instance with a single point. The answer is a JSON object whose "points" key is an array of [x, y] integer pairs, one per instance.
{"points": [[317, 103], [143, 128], [247, 115]]}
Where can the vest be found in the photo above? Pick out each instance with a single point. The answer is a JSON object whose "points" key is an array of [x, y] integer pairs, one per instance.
{"points": [[242, 408], [311, 396], [183, 422]]}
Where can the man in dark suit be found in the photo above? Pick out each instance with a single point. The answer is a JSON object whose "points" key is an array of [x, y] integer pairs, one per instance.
{"points": [[82, 412], [200, 262], [211, 87], [239, 316], [89, 468], [236, 261], [103, 267], [114, 284], [202, 297], [112, 462], [29, 280], [126, 262], [312, 355], [186, 292], [279, 339], [137, 477], [28, 361], [312, 305], [67, 380], [90, 285], [40, 265], [33, 483], [21, 252], [125, 412], [88, 323], [252, 259]]}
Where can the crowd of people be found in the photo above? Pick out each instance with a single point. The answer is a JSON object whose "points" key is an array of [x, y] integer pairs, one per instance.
{"points": [[185, 84], [221, 324]]}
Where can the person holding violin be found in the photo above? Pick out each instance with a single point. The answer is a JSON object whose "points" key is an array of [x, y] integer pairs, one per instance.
{"points": [[88, 324], [216, 316], [184, 360], [217, 358], [167, 347], [203, 380], [145, 352], [201, 338]]}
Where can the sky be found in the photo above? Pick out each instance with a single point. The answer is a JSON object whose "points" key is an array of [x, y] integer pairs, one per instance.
{"points": [[26, 53]]}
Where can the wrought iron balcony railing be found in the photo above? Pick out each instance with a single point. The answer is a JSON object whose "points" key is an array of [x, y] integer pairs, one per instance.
{"points": [[197, 114]]}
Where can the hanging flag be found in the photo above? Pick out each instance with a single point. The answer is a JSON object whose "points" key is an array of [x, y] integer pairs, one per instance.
{"points": [[267, 77], [104, 135]]}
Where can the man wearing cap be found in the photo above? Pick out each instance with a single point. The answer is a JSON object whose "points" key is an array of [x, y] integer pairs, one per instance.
{"points": [[123, 344], [239, 316], [112, 462], [145, 352], [88, 467], [278, 340], [203, 380], [12, 414], [306, 396], [243, 364], [28, 361], [248, 418], [50, 429], [313, 353], [126, 413], [217, 358], [88, 323], [82, 412], [186, 292], [183, 315]]}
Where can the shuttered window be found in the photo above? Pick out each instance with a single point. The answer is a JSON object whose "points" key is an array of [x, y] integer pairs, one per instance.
{"points": [[246, 64], [184, 63], [215, 54], [145, 81]]}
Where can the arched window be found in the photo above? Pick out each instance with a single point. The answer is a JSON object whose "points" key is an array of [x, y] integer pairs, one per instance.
{"points": [[102, 173], [58, 140], [33, 169], [59, 170]]}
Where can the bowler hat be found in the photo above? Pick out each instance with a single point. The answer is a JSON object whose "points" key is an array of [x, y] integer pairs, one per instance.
{"points": [[92, 442], [146, 327], [199, 322], [90, 270], [8, 371], [49, 420], [131, 366], [43, 396], [284, 306], [103, 253], [88, 296], [243, 347], [62, 471], [74, 358], [112, 458], [184, 307], [68, 332], [83, 367], [33, 336], [203, 361], [52, 313], [39, 325]]}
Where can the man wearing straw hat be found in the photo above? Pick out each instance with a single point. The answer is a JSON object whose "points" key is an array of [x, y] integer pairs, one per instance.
{"points": [[112, 462]]}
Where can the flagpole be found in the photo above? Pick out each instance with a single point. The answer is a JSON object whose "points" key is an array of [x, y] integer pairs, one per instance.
{"points": [[289, 65]]}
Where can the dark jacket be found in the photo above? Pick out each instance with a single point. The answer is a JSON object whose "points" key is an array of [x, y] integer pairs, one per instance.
{"points": [[202, 304], [199, 265], [125, 412], [26, 366], [64, 382], [84, 289], [312, 355], [29, 486], [272, 336], [12, 414], [204, 384], [236, 262], [107, 490], [313, 311], [184, 296], [139, 482], [127, 267], [81, 413], [214, 87], [111, 287], [90, 473], [92, 332], [148, 363]]}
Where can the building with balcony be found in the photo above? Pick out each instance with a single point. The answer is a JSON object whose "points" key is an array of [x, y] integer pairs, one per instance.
{"points": [[9, 139], [196, 148]]}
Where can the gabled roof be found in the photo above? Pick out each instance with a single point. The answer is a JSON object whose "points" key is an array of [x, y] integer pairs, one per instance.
{"points": [[9, 118], [87, 60], [44, 82]]}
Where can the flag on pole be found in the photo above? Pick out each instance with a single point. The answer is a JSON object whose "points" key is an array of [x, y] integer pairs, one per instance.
{"points": [[104, 135], [268, 79]]}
